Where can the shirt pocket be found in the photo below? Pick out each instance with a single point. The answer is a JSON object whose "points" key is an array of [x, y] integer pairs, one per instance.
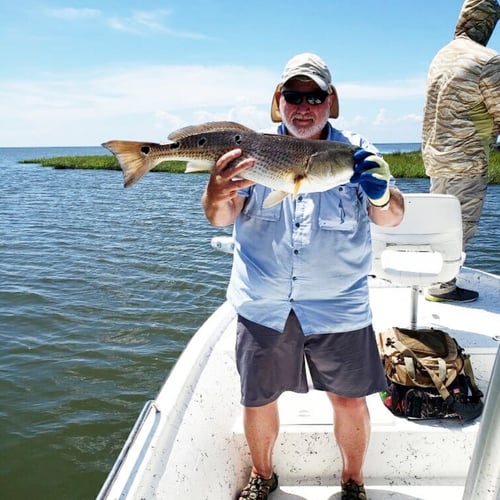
{"points": [[339, 209], [253, 206]]}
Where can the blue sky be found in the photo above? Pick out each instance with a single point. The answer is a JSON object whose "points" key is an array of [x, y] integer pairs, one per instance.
{"points": [[78, 73]]}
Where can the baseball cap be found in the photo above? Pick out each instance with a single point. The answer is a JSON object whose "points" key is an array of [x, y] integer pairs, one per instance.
{"points": [[311, 66]]}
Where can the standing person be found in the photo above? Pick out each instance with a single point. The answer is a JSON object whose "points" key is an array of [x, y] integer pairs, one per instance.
{"points": [[299, 281], [462, 121]]}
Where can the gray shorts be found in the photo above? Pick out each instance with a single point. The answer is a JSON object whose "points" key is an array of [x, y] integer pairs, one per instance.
{"points": [[270, 362]]}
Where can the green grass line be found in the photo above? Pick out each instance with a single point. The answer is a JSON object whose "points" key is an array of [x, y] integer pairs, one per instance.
{"points": [[403, 165], [98, 162]]}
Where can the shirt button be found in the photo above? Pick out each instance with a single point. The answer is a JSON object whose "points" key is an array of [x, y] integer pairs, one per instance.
{"points": [[294, 278], [291, 300], [299, 198], [296, 252], [297, 224]]}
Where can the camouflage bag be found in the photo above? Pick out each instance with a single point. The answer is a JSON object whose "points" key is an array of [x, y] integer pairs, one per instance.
{"points": [[428, 375]]}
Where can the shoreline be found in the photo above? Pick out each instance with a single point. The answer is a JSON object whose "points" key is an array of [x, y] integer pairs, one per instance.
{"points": [[402, 164]]}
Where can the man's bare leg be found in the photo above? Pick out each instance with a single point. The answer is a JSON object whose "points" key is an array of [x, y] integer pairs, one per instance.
{"points": [[261, 430], [352, 432]]}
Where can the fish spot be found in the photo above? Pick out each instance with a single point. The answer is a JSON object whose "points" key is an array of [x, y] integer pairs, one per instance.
{"points": [[145, 150], [237, 139], [202, 141]]}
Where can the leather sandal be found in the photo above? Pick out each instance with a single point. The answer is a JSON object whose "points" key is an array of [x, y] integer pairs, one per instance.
{"points": [[258, 488], [352, 491]]}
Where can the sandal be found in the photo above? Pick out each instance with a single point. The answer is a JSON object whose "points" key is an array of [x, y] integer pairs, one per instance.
{"points": [[353, 491], [258, 488]]}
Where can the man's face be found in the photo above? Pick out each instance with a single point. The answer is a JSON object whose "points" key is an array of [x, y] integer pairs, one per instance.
{"points": [[304, 120]]}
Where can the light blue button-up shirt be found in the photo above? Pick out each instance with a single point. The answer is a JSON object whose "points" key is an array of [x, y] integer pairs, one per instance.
{"points": [[311, 254]]}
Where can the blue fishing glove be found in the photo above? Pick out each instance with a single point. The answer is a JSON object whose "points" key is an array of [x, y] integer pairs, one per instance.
{"points": [[373, 174]]}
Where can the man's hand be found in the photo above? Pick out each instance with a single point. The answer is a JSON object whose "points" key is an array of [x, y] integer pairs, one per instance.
{"points": [[224, 183], [220, 200], [373, 174]]}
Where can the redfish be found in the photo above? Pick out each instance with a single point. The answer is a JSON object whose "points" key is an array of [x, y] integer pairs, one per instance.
{"points": [[285, 164]]}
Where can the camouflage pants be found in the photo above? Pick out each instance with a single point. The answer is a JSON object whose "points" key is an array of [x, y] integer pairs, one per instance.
{"points": [[471, 192]]}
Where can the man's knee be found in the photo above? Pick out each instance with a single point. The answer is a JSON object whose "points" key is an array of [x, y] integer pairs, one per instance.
{"points": [[343, 403]]}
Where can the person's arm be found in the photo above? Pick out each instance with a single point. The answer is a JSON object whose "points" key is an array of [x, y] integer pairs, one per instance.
{"points": [[221, 201], [392, 213]]}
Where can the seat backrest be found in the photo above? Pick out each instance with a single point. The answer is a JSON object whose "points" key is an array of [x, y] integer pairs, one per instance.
{"points": [[426, 247]]}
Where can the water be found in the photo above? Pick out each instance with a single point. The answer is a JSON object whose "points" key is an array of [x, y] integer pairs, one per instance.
{"points": [[398, 147], [100, 290]]}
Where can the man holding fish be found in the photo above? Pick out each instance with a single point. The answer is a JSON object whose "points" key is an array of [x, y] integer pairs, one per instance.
{"points": [[299, 277]]}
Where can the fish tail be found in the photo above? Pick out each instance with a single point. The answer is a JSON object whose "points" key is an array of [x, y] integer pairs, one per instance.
{"points": [[134, 159]]}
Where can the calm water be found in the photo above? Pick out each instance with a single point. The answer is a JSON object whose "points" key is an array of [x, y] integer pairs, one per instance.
{"points": [[100, 290]]}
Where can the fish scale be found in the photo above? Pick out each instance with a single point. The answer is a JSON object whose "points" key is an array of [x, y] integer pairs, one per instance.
{"points": [[285, 164]]}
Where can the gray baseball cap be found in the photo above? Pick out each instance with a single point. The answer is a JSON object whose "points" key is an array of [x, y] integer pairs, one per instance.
{"points": [[309, 66]]}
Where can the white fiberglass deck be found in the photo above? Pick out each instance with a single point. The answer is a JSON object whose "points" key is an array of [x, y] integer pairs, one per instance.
{"points": [[191, 443]]}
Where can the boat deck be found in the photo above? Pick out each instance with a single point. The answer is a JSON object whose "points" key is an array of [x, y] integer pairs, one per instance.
{"points": [[192, 443]]}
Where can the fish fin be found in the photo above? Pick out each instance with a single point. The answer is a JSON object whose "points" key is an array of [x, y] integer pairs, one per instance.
{"points": [[297, 186], [133, 158], [199, 166], [207, 127], [274, 198]]}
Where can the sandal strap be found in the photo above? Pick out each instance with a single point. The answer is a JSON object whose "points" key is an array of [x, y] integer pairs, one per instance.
{"points": [[259, 488], [353, 491]]}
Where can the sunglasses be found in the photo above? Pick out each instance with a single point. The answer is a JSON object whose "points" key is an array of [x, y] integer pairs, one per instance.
{"points": [[312, 98]]}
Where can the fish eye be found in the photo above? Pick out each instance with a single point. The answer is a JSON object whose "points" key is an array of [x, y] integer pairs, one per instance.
{"points": [[202, 141], [237, 139], [145, 150]]}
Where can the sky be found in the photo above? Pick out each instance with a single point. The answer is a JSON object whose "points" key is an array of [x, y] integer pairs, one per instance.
{"points": [[79, 73]]}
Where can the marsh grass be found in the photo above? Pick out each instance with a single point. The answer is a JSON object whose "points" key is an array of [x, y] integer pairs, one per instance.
{"points": [[410, 165], [98, 162], [403, 165]]}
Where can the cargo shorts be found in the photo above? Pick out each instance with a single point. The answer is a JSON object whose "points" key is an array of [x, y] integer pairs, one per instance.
{"points": [[271, 362]]}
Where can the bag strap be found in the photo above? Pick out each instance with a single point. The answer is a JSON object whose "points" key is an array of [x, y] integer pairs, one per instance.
{"points": [[466, 411], [403, 349], [476, 392]]}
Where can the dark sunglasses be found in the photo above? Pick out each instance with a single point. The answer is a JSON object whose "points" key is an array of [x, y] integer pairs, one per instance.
{"points": [[312, 98]]}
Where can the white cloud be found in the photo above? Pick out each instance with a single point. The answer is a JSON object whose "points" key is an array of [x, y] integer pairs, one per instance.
{"points": [[411, 118], [381, 117], [69, 13], [142, 21], [148, 102], [393, 90], [138, 22], [142, 102]]}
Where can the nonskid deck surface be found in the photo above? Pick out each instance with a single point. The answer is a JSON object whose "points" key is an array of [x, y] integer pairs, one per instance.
{"points": [[401, 452], [199, 451], [473, 324], [406, 459], [374, 491]]}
